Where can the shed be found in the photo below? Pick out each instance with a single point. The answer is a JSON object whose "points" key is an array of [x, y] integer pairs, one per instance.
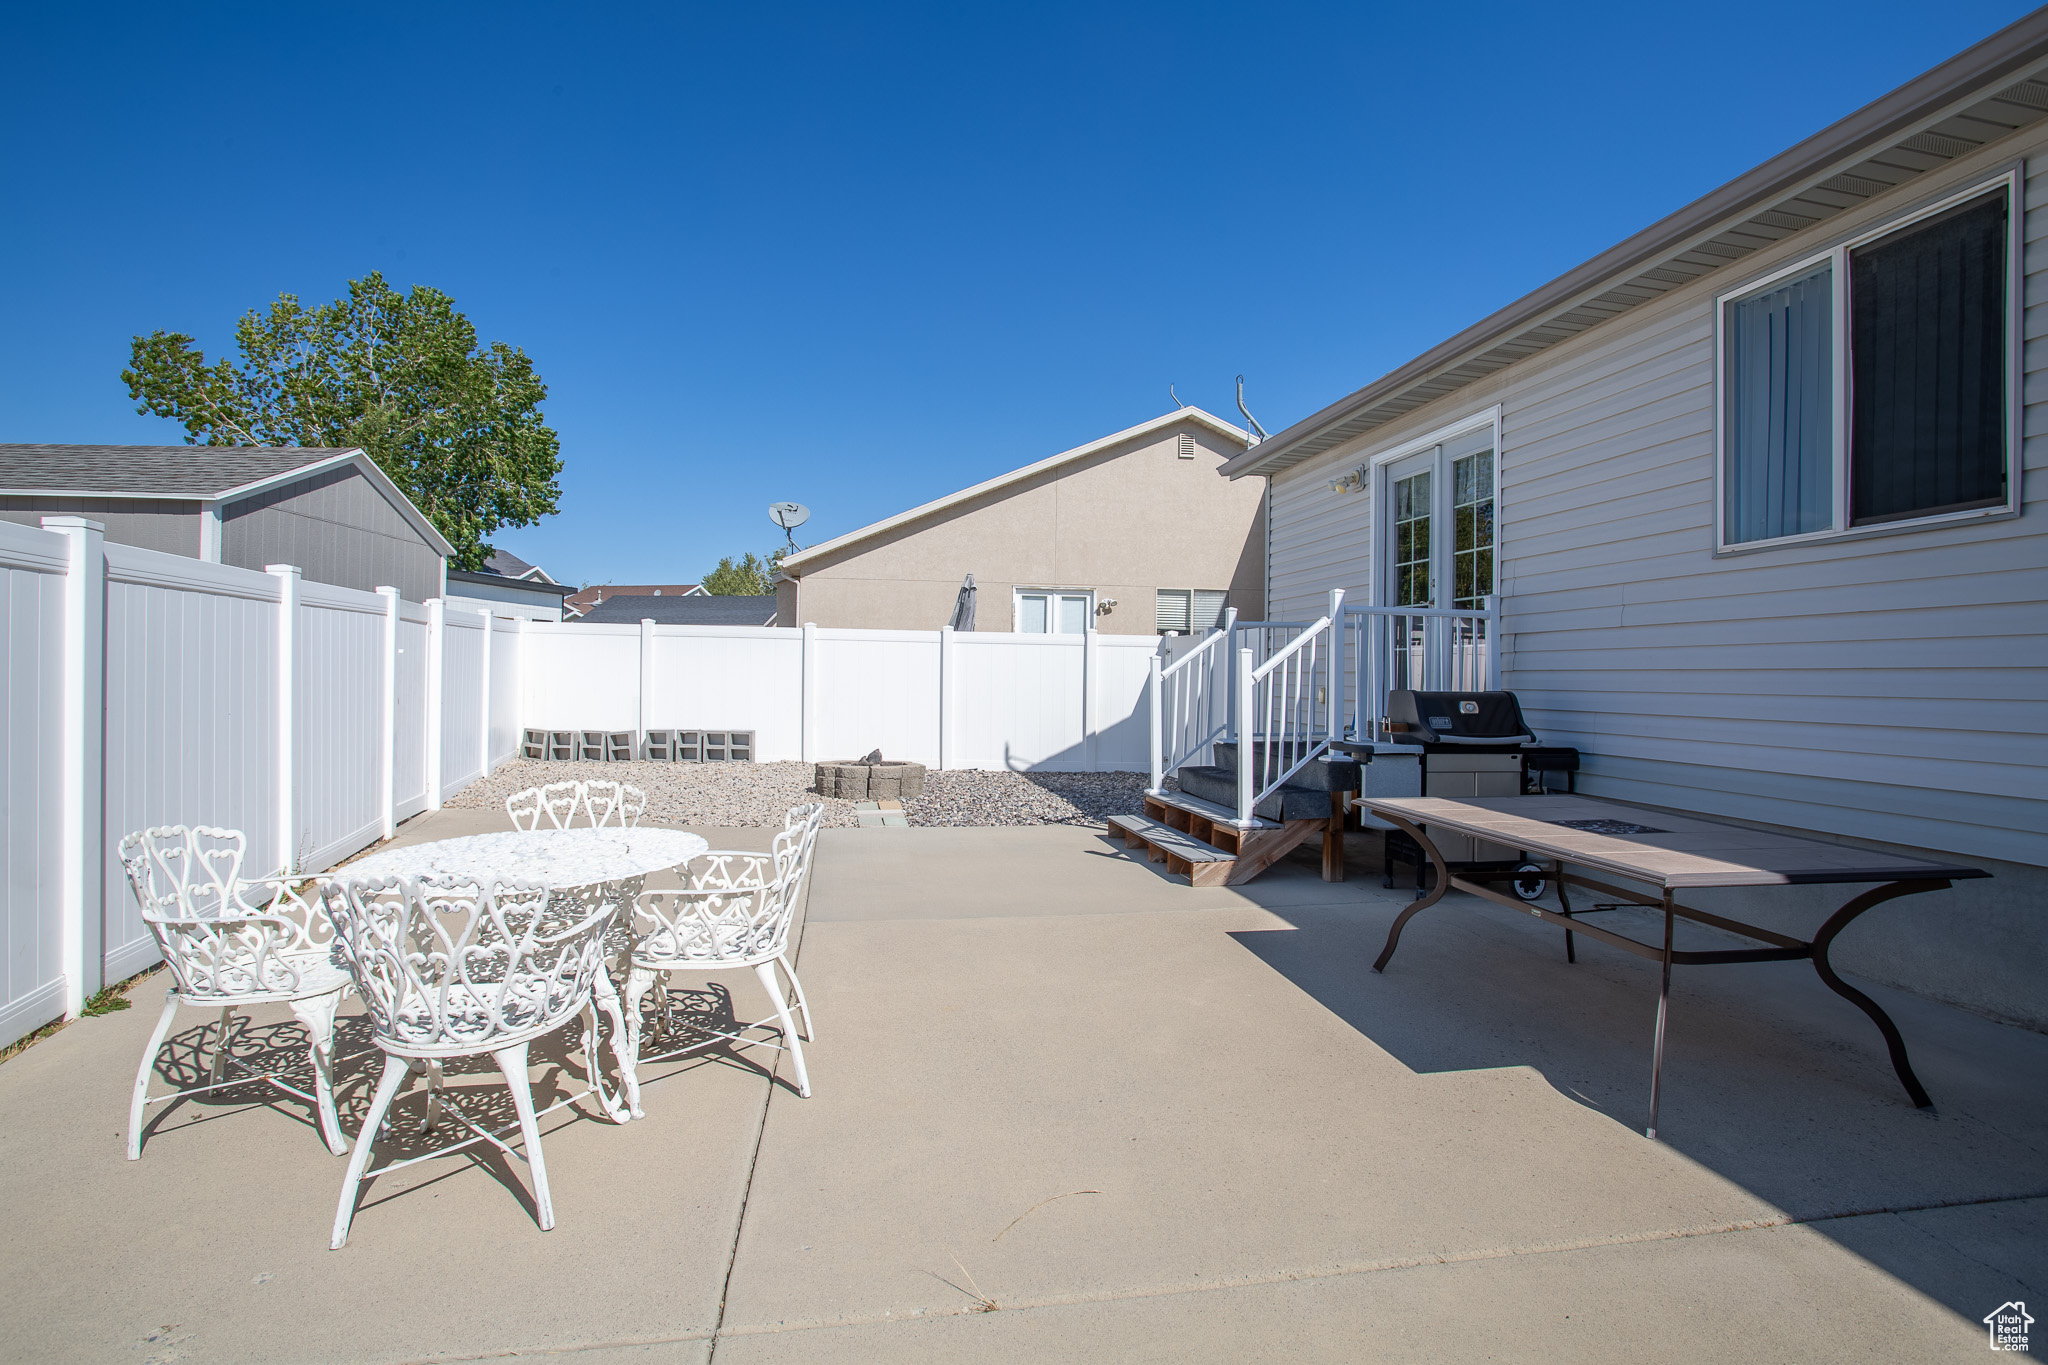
{"points": [[329, 510], [699, 609]]}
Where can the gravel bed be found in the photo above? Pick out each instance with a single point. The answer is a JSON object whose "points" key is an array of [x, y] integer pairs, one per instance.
{"points": [[748, 795]]}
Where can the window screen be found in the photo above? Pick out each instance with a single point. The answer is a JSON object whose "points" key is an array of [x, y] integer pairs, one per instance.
{"points": [[1173, 610], [1210, 605], [1927, 335], [1031, 613], [1779, 423]]}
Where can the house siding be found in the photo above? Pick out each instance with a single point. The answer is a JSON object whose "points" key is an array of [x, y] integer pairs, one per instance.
{"points": [[338, 528], [146, 523], [1888, 688]]}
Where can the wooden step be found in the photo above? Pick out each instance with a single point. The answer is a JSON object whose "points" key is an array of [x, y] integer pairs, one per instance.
{"points": [[1184, 855], [1196, 839]]}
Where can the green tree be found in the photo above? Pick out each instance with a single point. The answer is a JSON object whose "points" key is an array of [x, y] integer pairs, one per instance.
{"points": [[748, 576], [456, 425]]}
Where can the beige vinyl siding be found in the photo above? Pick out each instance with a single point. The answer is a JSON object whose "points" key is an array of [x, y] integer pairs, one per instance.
{"points": [[1893, 687]]}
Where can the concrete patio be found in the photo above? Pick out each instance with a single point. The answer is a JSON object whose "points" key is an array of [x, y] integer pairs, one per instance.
{"points": [[1068, 1109]]}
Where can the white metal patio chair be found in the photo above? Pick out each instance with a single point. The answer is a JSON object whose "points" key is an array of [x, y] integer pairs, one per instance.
{"points": [[450, 968], [231, 942], [558, 801], [793, 847], [707, 929], [616, 805]]}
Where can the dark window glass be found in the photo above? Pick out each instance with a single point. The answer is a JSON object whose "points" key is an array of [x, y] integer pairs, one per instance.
{"points": [[1927, 337]]}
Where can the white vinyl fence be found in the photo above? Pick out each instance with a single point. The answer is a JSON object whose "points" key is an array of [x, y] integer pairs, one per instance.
{"points": [[145, 689], [149, 689], [977, 699]]}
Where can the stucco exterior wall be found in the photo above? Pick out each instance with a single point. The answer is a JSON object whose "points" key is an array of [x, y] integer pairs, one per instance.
{"points": [[1122, 523]]}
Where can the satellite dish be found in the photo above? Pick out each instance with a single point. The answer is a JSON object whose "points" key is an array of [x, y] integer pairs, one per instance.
{"points": [[788, 515]]}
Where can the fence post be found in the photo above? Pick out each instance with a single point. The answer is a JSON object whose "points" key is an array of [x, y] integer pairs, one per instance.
{"points": [[436, 619], [1244, 728], [484, 710], [1495, 641], [646, 683], [387, 751], [1158, 738], [287, 723], [945, 697], [807, 699], [1090, 667], [82, 886]]}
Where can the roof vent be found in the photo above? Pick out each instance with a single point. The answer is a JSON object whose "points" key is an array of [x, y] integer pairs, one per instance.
{"points": [[1187, 445]]}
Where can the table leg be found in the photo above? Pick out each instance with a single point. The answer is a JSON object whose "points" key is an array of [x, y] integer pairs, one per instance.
{"points": [[1663, 1009], [1443, 884], [1564, 907], [1824, 939]]}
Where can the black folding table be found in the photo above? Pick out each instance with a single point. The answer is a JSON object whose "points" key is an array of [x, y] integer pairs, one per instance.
{"points": [[1667, 854]]}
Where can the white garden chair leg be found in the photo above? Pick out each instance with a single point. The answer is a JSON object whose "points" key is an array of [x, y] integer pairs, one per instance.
{"points": [[606, 997], [220, 1047], [317, 1014], [638, 981], [766, 971], [387, 1090], [512, 1061], [140, 1103], [810, 1034]]}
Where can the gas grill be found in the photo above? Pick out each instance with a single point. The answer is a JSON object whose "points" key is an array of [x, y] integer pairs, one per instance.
{"points": [[1472, 744]]}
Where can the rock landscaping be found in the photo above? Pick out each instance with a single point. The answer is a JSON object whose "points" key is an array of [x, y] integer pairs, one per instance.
{"points": [[747, 795]]}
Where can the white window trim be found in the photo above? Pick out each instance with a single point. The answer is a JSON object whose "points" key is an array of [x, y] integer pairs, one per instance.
{"points": [[1017, 595], [1381, 570], [1837, 256]]}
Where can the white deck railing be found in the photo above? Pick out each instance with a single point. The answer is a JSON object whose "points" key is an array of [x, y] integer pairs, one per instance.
{"points": [[1287, 707], [1189, 702], [1431, 649]]}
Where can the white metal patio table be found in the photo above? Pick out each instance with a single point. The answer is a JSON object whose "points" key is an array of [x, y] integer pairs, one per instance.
{"points": [[1666, 853], [618, 860]]}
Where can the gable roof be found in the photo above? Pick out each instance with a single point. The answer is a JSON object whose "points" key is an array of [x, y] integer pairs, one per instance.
{"points": [[701, 609], [508, 565], [803, 558], [1975, 98], [189, 474]]}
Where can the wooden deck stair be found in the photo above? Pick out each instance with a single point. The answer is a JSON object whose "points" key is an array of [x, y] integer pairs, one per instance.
{"points": [[1196, 839]]}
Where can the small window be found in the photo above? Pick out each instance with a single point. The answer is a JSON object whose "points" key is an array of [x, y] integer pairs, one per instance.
{"points": [[1871, 385], [1191, 611], [1043, 611]]}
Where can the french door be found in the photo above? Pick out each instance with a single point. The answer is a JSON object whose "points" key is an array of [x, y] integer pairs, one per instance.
{"points": [[1437, 538]]}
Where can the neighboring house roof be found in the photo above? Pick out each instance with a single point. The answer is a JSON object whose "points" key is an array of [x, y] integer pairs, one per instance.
{"points": [[583, 598], [507, 565], [208, 474], [702, 609], [1975, 98], [539, 587], [794, 565]]}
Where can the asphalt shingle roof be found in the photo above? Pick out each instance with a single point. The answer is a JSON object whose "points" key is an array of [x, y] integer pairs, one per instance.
{"points": [[710, 610], [150, 471]]}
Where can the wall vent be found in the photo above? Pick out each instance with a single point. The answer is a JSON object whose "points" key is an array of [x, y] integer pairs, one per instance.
{"points": [[1187, 445]]}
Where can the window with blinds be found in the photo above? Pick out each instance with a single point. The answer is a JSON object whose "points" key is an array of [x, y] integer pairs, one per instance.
{"points": [[1871, 384], [1190, 611]]}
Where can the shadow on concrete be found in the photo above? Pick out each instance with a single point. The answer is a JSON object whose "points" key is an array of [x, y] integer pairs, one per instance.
{"points": [[1771, 1080]]}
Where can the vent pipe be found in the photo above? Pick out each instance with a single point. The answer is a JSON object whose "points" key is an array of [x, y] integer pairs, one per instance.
{"points": [[1259, 431]]}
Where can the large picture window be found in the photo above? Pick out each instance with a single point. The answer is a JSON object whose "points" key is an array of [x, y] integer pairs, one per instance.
{"points": [[1872, 385]]}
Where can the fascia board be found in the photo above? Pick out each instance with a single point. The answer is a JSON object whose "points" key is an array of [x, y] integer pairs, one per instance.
{"points": [[803, 558]]}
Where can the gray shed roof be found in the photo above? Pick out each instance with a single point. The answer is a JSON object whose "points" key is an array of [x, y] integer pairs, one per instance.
{"points": [[181, 472], [701, 610]]}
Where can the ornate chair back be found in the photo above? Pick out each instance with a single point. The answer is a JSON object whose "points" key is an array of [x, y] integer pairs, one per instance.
{"points": [[615, 804], [736, 925], [447, 966], [559, 800], [524, 808], [219, 946]]}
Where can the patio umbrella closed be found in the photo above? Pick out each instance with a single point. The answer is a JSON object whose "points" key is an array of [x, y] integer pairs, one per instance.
{"points": [[963, 608]]}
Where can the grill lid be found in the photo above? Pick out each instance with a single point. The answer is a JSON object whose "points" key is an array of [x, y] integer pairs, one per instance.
{"points": [[1428, 718]]}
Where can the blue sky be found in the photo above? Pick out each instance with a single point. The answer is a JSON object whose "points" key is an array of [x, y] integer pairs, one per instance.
{"points": [[860, 257]]}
